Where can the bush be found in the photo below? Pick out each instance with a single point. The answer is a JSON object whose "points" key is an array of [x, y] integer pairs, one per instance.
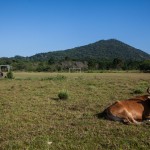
{"points": [[63, 95], [137, 91], [10, 75]]}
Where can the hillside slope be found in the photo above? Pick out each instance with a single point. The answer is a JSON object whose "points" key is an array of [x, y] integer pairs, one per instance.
{"points": [[104, 49]]}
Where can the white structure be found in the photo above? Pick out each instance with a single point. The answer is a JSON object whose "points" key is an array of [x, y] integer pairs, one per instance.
{"points": [[74, 70], [8, 67]]}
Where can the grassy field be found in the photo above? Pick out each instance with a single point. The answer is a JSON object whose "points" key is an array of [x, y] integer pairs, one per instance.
{"points": [[33, 118]]}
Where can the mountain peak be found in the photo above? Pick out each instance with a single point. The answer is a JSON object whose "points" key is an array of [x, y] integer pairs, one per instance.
{"points": [[103, 49]]}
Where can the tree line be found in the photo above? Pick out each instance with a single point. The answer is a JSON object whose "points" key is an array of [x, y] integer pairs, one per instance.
{"points": [[52, 65]]}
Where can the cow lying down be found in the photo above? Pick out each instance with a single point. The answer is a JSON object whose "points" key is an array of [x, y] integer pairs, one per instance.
{"points": [[130, 111]]}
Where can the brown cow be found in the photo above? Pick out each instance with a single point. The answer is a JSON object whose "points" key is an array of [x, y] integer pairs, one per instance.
{"points": [[132, 111]]}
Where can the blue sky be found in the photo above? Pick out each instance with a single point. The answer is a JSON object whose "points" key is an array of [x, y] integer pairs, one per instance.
{"points": [[28, 27]]}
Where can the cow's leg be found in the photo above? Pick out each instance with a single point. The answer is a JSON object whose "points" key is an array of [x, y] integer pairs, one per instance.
{"points": [[121, 115], [128, 118]]}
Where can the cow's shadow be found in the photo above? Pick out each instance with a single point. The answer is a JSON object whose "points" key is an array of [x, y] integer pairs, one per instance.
{"points": [[55, 99], [101, 115]]}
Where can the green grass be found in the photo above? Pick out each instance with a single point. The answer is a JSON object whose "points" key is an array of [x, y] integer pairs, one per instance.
{"points": [[31, 115]]}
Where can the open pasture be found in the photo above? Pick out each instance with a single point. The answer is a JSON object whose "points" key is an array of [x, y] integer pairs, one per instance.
{"points": [[32, 116]]}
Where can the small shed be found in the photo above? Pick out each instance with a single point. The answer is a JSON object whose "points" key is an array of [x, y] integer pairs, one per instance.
{"points": [[5, 67]]}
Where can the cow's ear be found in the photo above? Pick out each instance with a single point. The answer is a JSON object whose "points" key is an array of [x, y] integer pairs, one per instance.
{"points": [[149, 97]]}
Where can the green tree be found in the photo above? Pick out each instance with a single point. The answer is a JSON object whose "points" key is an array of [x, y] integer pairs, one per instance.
{"points": [[51, 61], [117, 63], [92, 64], [145, 66]]}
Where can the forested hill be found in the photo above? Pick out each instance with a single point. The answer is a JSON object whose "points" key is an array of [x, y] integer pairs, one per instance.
{"points": [[101, 50]]}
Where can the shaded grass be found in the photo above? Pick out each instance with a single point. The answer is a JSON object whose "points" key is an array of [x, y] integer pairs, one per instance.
{"points": [[31, 117]]}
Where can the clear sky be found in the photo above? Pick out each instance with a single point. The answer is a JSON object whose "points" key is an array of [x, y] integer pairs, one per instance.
{"points": [[28, 27]]}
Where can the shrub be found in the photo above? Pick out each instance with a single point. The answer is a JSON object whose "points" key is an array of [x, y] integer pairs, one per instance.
{"points": [[63, 95], [137, 91], [10, 75]]}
